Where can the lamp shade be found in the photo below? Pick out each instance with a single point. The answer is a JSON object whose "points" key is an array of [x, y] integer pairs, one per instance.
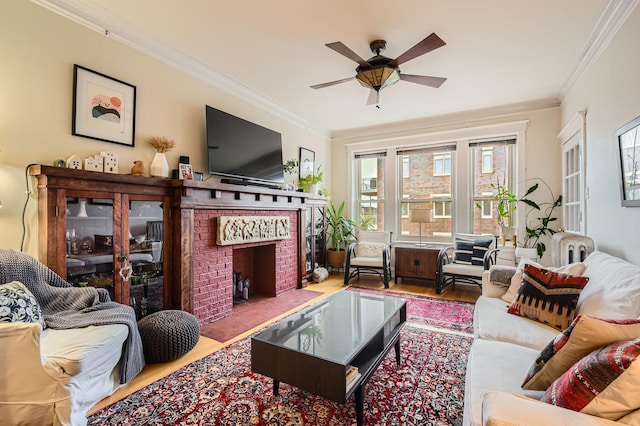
{"points": [[419, 215]]}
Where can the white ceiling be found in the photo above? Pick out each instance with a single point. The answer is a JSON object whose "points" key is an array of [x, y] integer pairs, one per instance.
{"points": [[498, 52]]}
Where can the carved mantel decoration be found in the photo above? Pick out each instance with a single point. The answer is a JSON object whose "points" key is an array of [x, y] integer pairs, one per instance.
{"points": [[248, 229]]}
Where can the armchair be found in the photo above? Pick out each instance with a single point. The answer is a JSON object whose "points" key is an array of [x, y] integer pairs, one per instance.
{"points": [[466, 260], [370, 254]]}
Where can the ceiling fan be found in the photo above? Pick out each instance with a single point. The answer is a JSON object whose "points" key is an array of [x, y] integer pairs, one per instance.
{"points": [[378, 72]]}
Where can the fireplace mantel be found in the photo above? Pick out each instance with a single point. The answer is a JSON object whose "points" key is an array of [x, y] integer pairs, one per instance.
{"points": [[202, 266]]}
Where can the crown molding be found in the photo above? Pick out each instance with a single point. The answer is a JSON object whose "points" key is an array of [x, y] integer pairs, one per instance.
{"points": [[103, 21], [421, 126], [610, 22]]}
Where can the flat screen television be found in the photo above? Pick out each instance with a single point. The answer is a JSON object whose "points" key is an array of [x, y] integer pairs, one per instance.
{"points": [[242, 150]]}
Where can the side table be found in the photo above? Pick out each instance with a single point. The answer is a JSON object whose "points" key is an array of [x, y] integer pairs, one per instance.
{"points": [[416, 262]]}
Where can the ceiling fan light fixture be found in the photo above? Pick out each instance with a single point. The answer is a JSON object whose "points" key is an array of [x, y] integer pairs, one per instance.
{"points": [[377, 77]]}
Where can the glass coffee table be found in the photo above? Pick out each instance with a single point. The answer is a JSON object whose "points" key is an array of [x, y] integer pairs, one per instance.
{"points": [[331, 348]]}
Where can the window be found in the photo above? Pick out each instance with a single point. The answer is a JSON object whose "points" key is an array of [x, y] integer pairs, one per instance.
{"points": [[501, 155], [369, 169], [424, 188], [446, 172], [573, 194], [487, 160], [442, 164]]}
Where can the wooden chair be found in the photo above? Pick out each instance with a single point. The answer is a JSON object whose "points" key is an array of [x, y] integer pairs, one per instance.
{"points": [[370, 254]]}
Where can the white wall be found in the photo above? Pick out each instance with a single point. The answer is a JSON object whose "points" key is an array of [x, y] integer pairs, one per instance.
{"points": [[39, 49], [609, 91]]}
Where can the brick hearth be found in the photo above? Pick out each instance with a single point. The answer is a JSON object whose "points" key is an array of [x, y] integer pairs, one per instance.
{"points": [[213, 264]]}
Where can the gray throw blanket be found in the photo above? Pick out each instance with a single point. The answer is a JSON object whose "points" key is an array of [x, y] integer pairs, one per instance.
{"points": [[65, 306]]}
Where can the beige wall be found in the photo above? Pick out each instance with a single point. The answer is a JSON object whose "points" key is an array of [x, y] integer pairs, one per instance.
{"points": [[609, 91], [39, 49]]}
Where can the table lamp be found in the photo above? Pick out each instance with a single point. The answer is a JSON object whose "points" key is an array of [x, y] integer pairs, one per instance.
{"points": [[420, 216]]}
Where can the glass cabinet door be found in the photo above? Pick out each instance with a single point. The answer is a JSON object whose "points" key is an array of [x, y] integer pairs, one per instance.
{"points": [[146, 240], [89, 242]]}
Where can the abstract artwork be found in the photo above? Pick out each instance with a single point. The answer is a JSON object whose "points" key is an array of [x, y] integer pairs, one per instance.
{"points": [[103, 108]]}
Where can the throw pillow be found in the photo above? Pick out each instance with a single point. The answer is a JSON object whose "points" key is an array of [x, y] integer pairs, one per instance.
{"points": [[369, 249], [548, 297], [17, 304], [470, 252], [570, 269], [603, 383], [584, 335]]}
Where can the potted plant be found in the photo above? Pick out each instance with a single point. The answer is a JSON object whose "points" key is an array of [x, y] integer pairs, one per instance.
{"points": [[539, 226], [505, 207], [309, 183], [339, 230]]}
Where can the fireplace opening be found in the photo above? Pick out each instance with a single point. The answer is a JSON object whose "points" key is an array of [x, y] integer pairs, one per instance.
{"points": [[254, 268]]}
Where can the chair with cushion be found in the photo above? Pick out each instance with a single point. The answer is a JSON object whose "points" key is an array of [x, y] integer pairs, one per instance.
{"points": [[370, 254], [466, 260]]}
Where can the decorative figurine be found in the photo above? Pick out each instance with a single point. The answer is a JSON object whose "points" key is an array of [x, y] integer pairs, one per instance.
{"points": [[138, 168]]}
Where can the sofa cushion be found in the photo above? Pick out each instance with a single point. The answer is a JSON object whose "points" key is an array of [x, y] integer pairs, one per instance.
{"points": [[491, 321], [507, 409], [613, 290], [603, 384], [548, 297], [584, 335], [494, 366], [516, 280], [470, 252], [369, 250], [82, 350], [17, 303]]}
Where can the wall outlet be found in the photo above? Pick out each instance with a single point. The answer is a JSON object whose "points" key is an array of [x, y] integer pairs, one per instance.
{"points": [[110, 162], [74, 162], [94, 163]]}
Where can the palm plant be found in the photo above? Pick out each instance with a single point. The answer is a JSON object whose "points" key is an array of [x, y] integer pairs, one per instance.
{"points": [[339, 228]]}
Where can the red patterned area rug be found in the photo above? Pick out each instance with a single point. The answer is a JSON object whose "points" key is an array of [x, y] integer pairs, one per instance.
{"points": [[431, 311], [220, 389]]}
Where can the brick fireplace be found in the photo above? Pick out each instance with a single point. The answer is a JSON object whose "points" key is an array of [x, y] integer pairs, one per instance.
{"points": [[272, 266]]}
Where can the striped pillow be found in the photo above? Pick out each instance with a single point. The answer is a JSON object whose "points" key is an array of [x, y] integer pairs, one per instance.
{"points": [[470, 252], [603, 384], [548, 297]]}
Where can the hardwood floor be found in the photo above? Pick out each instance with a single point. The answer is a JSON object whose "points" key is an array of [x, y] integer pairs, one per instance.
{"points": [[334, 283]]}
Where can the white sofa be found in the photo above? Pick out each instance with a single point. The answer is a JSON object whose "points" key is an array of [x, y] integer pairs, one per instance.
{"points": [[53, 377], [506, 345]]}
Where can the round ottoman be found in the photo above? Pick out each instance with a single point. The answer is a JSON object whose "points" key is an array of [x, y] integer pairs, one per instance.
{"points": [[167, 335]]}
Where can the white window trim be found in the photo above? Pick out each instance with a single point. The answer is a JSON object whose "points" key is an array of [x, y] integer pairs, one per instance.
{"points": [[421, 138], [574, 133]]}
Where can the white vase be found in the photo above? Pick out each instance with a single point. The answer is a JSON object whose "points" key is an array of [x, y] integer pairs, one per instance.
{"points": [[526, 252], [82, 208], [159, 166]]}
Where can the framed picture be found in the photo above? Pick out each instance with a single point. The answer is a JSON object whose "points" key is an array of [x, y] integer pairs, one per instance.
{"points": [[186, 173], [103, 108], [307, 162], [628, 138]]}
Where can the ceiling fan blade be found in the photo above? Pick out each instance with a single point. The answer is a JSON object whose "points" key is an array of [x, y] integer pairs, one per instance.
{"points": [[331, 83], [345, 51], [374, 97], [423, 79], [430, 43]]}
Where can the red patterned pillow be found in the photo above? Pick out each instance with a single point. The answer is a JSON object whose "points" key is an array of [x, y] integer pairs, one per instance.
{"points": [[603, 384], [584, 335], [548, 297]]}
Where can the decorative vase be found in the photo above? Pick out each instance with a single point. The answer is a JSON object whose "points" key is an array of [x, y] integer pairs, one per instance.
{"points": [[526, 252], [82, 208], [159, 166]]}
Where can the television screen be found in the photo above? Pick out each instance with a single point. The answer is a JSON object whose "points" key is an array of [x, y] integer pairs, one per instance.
{"points": [[241, 149]]}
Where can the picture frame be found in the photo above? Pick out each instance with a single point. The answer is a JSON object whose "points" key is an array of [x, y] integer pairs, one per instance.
{"points": [[186, 172], [307, 162], [628, 140], [104, 108]]}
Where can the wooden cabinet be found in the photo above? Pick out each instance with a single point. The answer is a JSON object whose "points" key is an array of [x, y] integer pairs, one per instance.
{"points": [[416, 262], [109, 231], [313, 238]]}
